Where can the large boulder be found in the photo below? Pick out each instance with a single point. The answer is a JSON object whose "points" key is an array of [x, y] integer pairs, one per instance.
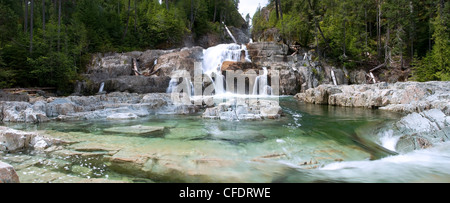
{"points": [[8, 174], [422, 130], [179, 61], [15, 140]]}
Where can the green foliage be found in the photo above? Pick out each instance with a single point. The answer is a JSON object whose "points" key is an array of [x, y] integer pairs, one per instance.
{"points": [[62, 50], [352, 33], [55, 70], [436, 64]]}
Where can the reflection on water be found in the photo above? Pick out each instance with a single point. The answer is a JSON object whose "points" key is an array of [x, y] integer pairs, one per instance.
{"points": [[309, 143]]}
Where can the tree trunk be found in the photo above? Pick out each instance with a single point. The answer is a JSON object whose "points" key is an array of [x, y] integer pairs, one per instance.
{"points": [[128, 20], [412, 29], [25, 28], [365, 23], [31, 26], [379, 28], [59, 25], [135, 15], [276, 8], [191, 24], [345, 23], [281, 10], [43, 15], [215, 10], [317, 24], [167, 4]]}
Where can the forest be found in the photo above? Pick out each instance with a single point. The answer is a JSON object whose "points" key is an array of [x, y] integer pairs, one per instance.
{"points": [[48, 43], [360, 33]]}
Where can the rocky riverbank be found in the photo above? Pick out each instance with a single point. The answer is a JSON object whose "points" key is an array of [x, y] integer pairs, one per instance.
{"points": [[427, 106], [117, 105], [404, 97]]}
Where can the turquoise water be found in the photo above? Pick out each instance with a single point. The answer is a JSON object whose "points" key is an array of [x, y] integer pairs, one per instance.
{"points": [[310, 143]]}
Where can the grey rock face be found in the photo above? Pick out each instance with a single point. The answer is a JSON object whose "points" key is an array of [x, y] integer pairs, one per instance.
{"points": [[422, 130], [405, 97], [116, 71]]}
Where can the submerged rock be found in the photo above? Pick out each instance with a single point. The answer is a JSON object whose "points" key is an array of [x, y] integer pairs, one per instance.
{"points": [[8, 174], [137, 130]]}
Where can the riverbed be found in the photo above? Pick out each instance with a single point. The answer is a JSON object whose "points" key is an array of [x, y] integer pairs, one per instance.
{"points": [[309, 143]]}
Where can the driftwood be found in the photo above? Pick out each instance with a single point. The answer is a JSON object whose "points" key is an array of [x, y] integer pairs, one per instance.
{"points": [[378, 67]]}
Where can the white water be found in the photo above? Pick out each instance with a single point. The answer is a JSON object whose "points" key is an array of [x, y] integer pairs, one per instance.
{"points": [[261, 86], [102, 86], [428, 165], [213, 59], [388, 140]]}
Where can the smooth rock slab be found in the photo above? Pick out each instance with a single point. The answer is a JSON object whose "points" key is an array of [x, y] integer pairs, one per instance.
{"points": [[139, 130]]}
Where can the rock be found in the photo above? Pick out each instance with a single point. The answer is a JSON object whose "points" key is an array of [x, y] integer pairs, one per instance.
{"points": [[261, 52], [240, 36], [405, 97], [414, 122], [250, 109], [358, 77], [178, 61], [422, 130], [122, 116], [8, 174], [233, 66], [107, 106], [111, 66], [137, 130], [14, 140], [6, 96]]}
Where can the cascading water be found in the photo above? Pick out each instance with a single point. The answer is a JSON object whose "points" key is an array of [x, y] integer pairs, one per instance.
{"points": [[261, 86], [102, 86], [213, 59]]}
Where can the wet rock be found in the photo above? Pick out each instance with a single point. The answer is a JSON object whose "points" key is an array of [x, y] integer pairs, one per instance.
{"points": [[422, 130], [8, 174], [137, 130], [122, 116], [248, 109]]}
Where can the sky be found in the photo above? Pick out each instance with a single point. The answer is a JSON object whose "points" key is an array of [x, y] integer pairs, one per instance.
{"points": [[250, 6]]}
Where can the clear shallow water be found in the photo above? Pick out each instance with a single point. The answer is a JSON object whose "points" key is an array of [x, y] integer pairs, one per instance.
{"points": [[309, 143]]}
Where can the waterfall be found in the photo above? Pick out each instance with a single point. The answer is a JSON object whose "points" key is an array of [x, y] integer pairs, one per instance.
{"points": [[213, 59], [231, 35], [261, 86], [102, 86], [174, 83]]}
